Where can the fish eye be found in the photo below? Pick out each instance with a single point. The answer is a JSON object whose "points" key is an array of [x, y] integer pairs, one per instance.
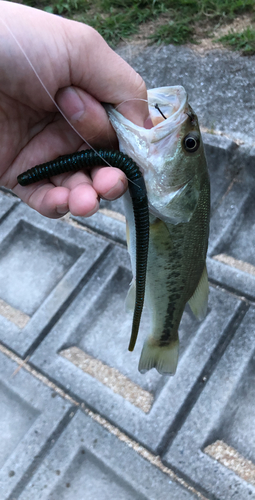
{"points": [[191, 142]]}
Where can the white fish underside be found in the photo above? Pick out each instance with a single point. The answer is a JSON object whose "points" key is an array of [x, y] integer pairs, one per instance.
{"points": [[177, 184]]}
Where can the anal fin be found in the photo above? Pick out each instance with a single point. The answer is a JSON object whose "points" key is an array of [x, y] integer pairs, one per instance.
{"points": [[131, 295], [199, 300]]}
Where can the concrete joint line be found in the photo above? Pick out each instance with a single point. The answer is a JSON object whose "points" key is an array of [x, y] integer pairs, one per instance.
{"points": [[111, 377], [77, 225], [113, 215], [238, 264], [233, 460], [19, 318], [238, 142]]}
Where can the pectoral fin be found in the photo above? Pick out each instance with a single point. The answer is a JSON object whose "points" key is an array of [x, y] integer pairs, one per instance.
{"points": [[199, 300], [130, 299], [179, 205]]}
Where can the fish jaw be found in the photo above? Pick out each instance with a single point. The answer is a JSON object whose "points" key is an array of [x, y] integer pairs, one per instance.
{"points": [[142, 144]]}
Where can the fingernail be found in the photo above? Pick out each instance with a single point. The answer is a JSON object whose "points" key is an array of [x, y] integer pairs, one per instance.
{"points": [[62, 209], [115, 191], [75, 107]]}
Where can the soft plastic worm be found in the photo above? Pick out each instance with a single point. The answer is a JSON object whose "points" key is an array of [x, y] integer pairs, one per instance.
{"points": [[137, 189]]}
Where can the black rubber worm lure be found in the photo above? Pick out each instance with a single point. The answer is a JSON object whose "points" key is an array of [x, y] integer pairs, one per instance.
{"points": [[137, 190]]}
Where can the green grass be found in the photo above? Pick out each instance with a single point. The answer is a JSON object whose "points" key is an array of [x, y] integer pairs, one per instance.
{"points": [[186, 14], [176, 32], [243, 41], [118, 24], [119, 19], [63, 6]]}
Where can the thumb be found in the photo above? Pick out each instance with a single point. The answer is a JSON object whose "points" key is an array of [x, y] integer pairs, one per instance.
{"points": [[87, 116]]}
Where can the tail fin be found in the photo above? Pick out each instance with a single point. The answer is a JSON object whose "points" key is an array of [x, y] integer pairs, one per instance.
{"points": [[164, 358]]}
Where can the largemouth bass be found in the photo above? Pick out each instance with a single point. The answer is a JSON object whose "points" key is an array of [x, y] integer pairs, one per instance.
{"points": [[171, 157]]}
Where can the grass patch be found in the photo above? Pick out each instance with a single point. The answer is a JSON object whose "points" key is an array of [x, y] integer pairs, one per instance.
{"points": [[176, 32], [115, 24], [62, 7], [119, 19], [243, 41]]}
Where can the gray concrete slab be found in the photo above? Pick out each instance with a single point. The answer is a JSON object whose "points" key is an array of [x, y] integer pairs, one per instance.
{"points": [[7, 203], [116, 205], [96, 324], [221, 159], [42, 264], [106, 224], [89, 463], [231, 261], [29, 419], [224, 411]]}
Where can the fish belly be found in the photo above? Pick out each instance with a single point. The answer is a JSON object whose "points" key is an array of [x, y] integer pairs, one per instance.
{"points": [[176, 263]]}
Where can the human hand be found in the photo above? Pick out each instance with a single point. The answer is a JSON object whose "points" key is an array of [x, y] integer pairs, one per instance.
{"points": [[80, 71]]}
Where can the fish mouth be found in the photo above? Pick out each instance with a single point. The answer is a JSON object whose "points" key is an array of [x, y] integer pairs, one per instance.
{"points": [[172, 102], [155, 149], [168, 108]]}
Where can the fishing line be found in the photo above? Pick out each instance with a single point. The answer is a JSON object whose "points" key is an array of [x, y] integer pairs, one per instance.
{"points": [[50, 96], [131, 99]]}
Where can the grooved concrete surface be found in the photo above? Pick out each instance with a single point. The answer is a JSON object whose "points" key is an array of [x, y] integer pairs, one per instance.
{"points": [[77, 419]]}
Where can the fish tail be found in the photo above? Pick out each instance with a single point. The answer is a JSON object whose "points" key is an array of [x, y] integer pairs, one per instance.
{"points": [[163, 358]]}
